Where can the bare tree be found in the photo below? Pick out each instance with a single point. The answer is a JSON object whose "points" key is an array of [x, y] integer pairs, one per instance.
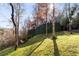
{"points": [[15, 16], [69, 19], [41, 11], [46, 19], [12, 18], [53, 23], [71, 13]]}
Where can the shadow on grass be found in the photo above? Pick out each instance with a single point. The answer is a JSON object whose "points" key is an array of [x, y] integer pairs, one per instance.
{"points": [[33, 40], [56, 51], [34, 49]]}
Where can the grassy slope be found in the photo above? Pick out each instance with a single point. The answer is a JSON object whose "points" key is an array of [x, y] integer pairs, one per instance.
{"points": [[65, 45], [28, 47], [6, 51], [44, 49]]}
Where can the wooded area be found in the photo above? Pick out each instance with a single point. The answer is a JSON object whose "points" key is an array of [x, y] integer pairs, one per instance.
{"points": [[48, 25]]}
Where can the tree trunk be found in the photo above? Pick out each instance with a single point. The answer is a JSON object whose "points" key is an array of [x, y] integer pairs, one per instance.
{"points": [[15, 26], [70, 28], [46, 19], [46, 26], [16, 37], [53, 24], [70, 21], [53, 30]]}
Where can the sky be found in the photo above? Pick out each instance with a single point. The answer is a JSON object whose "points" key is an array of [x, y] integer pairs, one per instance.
{"points": [[5, 13]]}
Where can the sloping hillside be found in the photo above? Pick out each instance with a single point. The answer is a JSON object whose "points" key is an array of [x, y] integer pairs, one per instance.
{"points": [[39, 45]]}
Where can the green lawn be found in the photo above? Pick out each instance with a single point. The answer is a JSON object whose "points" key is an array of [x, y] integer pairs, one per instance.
{"points": [[65, 45]]}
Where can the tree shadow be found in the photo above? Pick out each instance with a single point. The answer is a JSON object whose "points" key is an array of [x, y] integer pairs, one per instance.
{"points": [[33, 40], [56, 50], [34, 49], [30, 42]]}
